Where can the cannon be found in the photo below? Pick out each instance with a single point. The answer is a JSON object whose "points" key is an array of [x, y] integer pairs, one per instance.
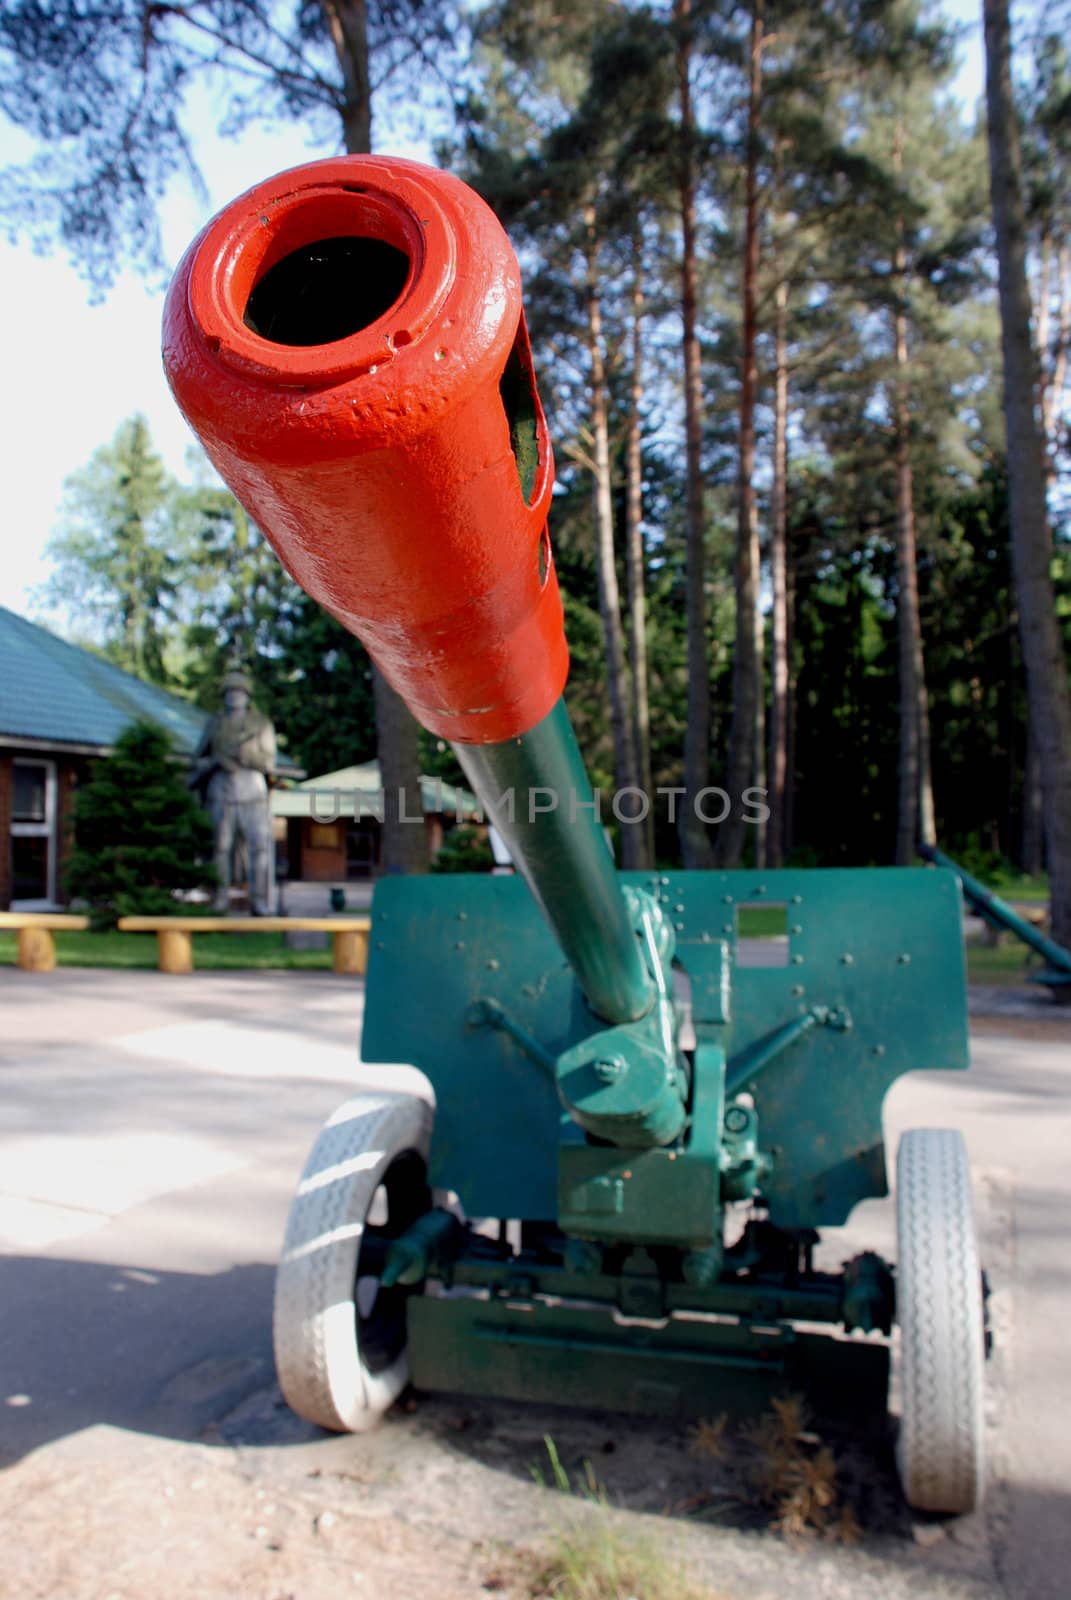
{"points": [[648, 1091]]}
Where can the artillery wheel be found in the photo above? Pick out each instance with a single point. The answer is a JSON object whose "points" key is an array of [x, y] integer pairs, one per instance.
{"points": [[339, 1337], [940, 1453]]}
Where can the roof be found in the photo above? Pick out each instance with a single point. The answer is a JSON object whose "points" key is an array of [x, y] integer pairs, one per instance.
{"points": [[56, 693], [341, 793]]}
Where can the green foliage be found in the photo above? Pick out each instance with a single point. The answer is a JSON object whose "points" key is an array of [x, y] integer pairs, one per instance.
{"points": [[140, 837], [237, 596], [464, 849], [317, 682], [103, 86], [570, 126], [116, 566]]}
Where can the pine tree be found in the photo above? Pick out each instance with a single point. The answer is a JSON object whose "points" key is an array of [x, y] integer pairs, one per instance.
{"points": [[236, 600], [110, 83], [1043, 647], [140, 836], [116, 565]]}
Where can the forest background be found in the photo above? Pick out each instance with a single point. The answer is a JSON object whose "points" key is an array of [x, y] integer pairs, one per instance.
{"points": [[762, 283]]}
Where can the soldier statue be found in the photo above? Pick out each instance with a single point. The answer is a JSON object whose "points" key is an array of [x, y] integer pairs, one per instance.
{"points": [[232, 766]]}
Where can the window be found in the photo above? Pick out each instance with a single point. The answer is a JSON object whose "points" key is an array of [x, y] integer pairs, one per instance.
{"points": [[33, 815], [31, 791]]}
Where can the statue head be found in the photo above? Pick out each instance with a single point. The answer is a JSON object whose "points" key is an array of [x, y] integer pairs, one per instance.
{"points": [[237, 693]]}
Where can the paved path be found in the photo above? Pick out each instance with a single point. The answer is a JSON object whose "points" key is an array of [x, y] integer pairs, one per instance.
{"points": [[151, 1131]]}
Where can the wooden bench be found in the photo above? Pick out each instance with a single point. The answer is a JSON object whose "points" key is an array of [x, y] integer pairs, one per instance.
{"points": [[36, 947], [174, 935]]}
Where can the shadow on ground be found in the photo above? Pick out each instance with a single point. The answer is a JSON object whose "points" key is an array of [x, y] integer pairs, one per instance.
{"points": [[188, 1356], [83, 1343]]}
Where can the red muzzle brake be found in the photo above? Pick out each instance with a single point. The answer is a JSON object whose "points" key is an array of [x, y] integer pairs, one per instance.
{"points": [[347, 341]]}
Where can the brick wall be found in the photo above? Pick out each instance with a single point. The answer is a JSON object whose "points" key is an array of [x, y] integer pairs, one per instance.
{"points": [[68, 775]]}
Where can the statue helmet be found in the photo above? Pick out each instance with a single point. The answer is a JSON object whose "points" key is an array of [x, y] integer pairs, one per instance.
{"points": [[237, 680]]}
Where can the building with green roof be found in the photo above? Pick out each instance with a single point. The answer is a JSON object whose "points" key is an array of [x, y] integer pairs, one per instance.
{"points": [[59, 708], [334, 823]]}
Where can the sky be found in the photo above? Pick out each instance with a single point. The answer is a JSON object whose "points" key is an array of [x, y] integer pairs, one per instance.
{"points": [[73, 372]]}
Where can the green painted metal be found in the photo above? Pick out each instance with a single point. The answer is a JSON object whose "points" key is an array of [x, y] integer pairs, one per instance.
{"points": [[627, 1085], [883, 946], [999, 914], [652, 1196], [536, 792], [816, 1297], [744, 1167], [583, 1356], [745, 1068], [433, 1237]]}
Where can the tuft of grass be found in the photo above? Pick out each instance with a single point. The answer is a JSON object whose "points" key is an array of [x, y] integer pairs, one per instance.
{"points": [[592, 1559], [589, 1557]]}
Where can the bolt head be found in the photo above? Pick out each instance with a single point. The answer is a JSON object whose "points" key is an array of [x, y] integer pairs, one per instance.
{"points": [[610, 1068]]}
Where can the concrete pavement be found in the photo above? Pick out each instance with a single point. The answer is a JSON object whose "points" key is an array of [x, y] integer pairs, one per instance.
{"points": [[151, 1132]]}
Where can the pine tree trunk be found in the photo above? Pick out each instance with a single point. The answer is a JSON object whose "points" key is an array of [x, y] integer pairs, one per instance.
{"points": [[791, 712], [695, 844], [1033, 845], [1053, 363], [606, 571], [404, 846], [1052, 372], [1055, 388], [347, 23], [1042, 302], [747, 657], [908, 635], [1043, 651], [915, 810], [635, 566], [778, 761]]}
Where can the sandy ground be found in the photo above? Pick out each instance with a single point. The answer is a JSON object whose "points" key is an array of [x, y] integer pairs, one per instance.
{"points": [[150, 1134]]}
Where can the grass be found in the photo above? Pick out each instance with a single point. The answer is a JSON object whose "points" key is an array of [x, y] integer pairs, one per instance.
{"points": [[1008, 963], [590, 1557], [761, 922], [212, 952], [774, 1471], [1016, 886]]}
